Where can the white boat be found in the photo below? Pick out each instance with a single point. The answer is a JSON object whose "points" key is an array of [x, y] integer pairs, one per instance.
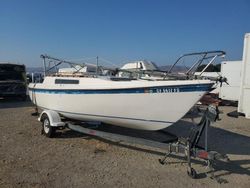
{"points": [[127, 102]]}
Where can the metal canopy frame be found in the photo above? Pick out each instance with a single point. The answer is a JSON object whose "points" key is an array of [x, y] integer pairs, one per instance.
{"points": [[207, 55], [212, 55], [57, 62]]}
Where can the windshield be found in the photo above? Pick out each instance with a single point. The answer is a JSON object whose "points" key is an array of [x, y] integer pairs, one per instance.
{"points": [[12, 72]]}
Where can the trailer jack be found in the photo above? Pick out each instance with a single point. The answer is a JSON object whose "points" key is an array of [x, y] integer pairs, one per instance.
{"points": [[190, 148]]}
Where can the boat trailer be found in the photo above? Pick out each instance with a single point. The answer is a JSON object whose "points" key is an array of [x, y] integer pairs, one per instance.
{"points": [[187, 147]]}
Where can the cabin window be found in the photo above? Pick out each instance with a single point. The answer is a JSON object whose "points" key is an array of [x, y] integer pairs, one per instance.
{"points": [[64, 81]]}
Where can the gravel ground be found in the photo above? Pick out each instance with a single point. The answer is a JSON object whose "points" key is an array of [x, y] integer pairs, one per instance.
{"points": [[28, 159]]}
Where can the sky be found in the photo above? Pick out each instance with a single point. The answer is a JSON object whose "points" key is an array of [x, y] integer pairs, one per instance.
{"points": [[120, 30]]}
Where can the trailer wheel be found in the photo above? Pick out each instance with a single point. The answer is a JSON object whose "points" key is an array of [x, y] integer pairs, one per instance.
{"points": [[47, 130]]}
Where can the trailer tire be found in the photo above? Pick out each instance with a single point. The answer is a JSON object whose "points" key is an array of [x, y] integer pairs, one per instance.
{"points": [[47, 130]]}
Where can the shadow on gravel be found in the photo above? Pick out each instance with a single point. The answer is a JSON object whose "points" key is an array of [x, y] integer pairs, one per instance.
{"points": [[14, 103], [220, 140], [70, 134], [224, 142], [232, 167]]}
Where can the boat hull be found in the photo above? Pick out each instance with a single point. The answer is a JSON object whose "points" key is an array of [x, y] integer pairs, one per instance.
{"points": [[147, 108]]}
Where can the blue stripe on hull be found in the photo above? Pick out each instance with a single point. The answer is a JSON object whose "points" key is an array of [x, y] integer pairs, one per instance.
{"points": [[158, 89]]}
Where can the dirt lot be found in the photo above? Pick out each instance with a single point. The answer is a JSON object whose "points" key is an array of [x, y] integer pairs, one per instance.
{"points": [[28, 159]]}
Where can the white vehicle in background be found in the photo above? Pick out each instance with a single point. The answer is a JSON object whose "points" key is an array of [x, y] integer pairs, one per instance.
{"points": [[238, 78], [232, 71], [140, 65], [143, 69], [244, 95]]}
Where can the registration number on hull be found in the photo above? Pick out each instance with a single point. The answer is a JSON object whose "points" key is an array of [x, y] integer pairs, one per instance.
{"points": [[163, 90], [167, 90]]}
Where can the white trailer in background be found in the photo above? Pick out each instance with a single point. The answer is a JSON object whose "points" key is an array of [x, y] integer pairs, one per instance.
{"points": [[232, 71], [244, 98]]}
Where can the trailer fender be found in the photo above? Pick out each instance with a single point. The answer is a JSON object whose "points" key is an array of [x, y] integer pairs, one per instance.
{"points": [[54, 118]]}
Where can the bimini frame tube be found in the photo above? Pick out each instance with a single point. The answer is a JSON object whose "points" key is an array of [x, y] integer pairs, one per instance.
{"points": [[217, 53], [44, 65]]}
